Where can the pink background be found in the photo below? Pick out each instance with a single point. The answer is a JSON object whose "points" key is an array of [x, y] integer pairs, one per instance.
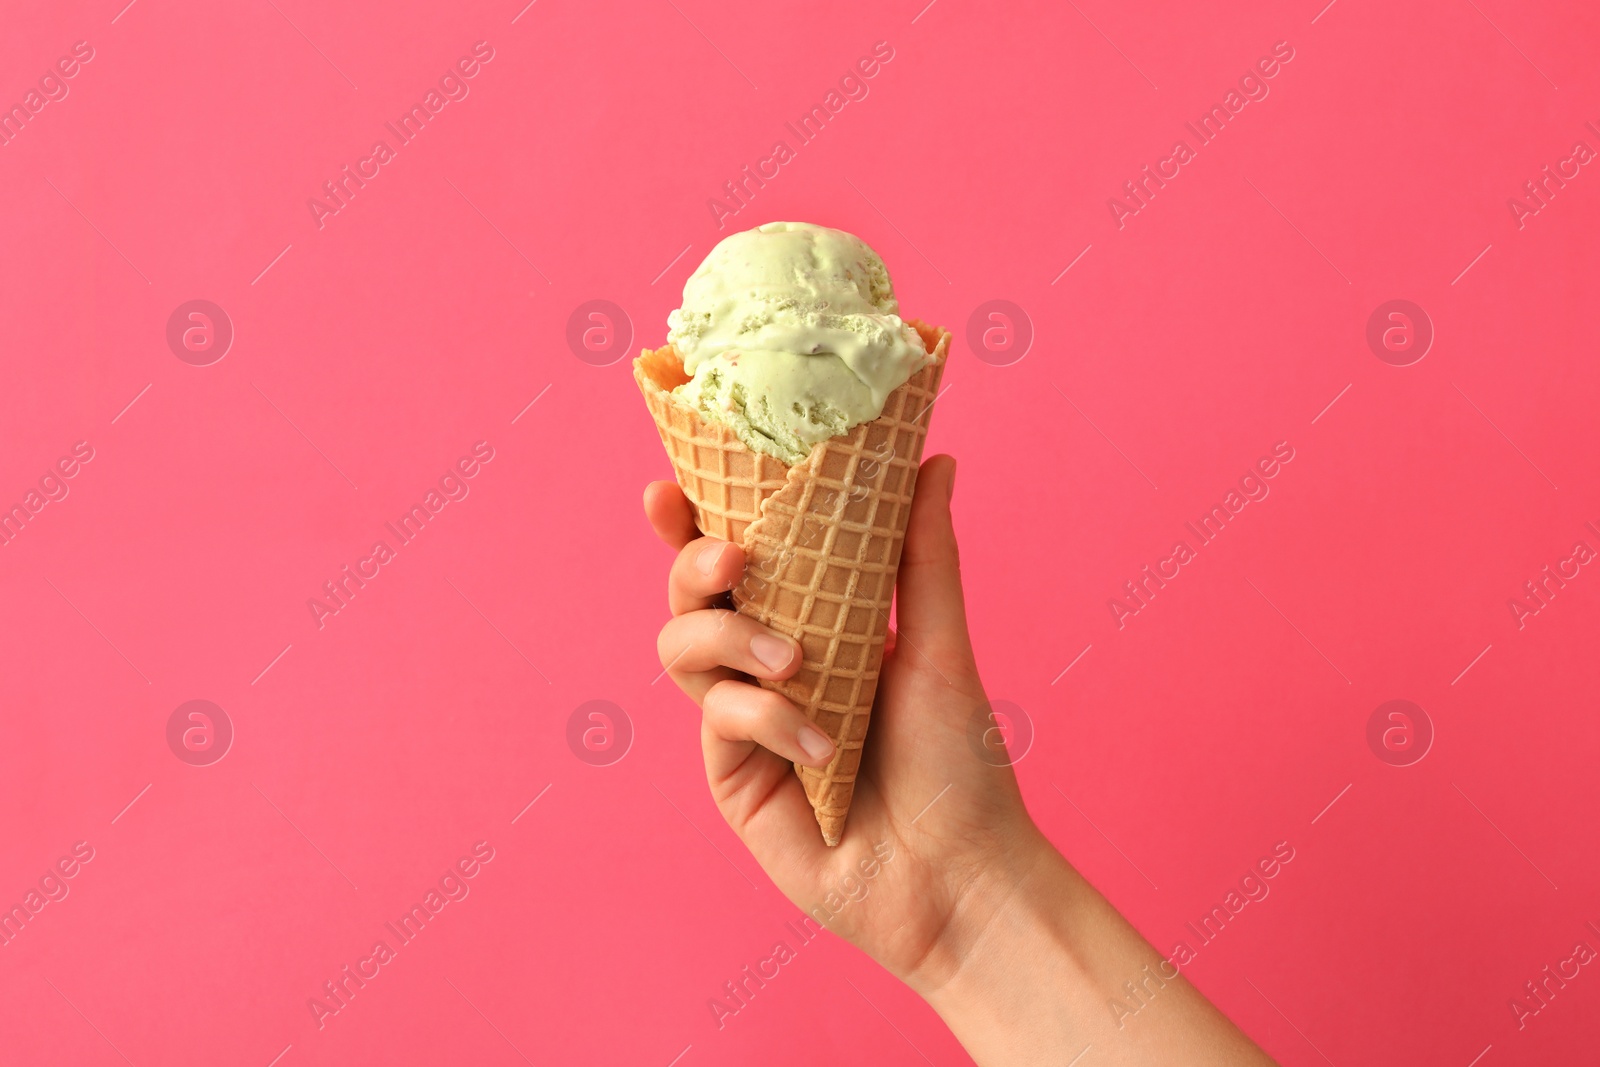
{"points": [[371, 353]]}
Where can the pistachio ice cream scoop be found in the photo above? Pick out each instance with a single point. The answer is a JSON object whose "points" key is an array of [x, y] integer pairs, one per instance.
{"points": [[791, 334]]}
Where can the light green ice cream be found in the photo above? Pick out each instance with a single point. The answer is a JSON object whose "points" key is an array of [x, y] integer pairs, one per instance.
{"points": [[791, 335]]}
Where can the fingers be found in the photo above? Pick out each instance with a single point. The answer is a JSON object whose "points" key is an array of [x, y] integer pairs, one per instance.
{"points": [[932, 613], [738, 714], [751, 739], [750, 736], [706, 567], [669, 513], [704, 570], [695, 647]]}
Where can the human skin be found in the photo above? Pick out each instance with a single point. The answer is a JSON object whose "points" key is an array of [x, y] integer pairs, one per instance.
{"points": [[976, 911]]}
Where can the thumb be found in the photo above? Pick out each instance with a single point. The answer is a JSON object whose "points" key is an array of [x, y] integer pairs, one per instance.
{"points": [[931, 613]]}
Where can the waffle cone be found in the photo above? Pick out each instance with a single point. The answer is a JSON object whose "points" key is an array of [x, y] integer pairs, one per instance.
{"points": [[822, 543]]}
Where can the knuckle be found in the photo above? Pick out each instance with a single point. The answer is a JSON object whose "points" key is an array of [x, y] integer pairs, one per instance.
{"points": [[767, 705], [670, 646], [718, 633], [723, 700]]}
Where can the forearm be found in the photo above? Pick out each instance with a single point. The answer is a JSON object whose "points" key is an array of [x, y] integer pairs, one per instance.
{"points": [[1033, 966]]}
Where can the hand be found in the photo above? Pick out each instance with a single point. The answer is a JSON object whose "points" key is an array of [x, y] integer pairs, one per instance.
{"points": [[941, 875], [929, 818]]}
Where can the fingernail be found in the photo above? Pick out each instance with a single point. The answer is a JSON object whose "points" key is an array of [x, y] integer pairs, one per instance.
{"points": [[706, 561], [774, 652], [950, 486], [815, 744]]}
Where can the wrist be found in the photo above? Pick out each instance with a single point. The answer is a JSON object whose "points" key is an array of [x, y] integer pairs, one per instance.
{"points": [[1008, 901], [1034, 962], [1011, 978]]}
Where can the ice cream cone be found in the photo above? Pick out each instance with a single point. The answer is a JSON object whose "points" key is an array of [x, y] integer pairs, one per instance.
{"points": [[822, 542]]}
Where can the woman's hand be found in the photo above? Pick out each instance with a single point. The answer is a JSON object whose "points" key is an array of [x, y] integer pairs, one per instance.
{"points": [[941, 875], [930, 820]]}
